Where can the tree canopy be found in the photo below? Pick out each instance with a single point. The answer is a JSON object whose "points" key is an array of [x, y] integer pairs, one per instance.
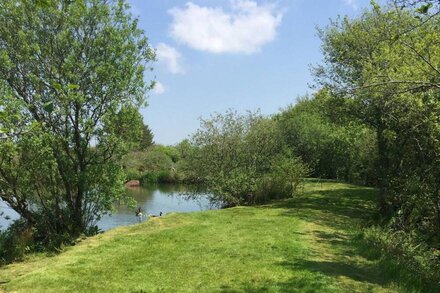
{"points": [[67, 68], [385, 66]]}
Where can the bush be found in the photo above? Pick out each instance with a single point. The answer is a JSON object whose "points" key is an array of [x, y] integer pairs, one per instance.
{"points": [[282, 181], [166, 176], [243, 160], [161, 176], [131, 174], [15, 242], [148, 177], [157, 164], [419, 265]]}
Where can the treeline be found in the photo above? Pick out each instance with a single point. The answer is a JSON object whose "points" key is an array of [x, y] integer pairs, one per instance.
{"points": [[249, 158], [154, 164], [334, 146], [374, 120], [382, 71]]}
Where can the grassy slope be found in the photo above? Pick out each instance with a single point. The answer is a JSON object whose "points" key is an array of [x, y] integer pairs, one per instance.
{"points": [[303, 244]]}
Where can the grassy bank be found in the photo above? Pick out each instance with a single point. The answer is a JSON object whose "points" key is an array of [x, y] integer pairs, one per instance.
{"points": [[305, 244]]}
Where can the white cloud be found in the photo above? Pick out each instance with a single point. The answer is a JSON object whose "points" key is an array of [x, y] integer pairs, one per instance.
{"points": [[244, 29], [159, 88], [170, 57]]}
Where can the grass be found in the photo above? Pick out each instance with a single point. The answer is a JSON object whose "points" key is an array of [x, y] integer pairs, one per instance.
{"points": [[305, 244]]}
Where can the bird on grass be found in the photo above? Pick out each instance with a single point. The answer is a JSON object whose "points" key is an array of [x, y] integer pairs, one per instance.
{"points": [[155, 216], [139, 214]]}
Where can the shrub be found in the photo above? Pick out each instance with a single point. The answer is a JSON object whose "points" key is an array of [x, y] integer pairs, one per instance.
{"points": [[148, 177], [166, 176], [157, 164], [15, 242], [131, 174], [419, 264], [161, 176], [242, 159], [285, 176]]}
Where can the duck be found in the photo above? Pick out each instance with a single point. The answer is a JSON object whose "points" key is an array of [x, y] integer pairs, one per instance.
{"points": [[138, 212], [155, 216]]}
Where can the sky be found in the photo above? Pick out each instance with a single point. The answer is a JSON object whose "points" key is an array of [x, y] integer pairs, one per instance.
{"points": [[215, 55]]}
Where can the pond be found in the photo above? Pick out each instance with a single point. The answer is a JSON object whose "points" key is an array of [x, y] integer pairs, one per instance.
{"points": [[155, 199], [152, 200]]}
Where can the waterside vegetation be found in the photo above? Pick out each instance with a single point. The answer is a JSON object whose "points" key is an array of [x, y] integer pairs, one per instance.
{"points": [[310, 243], [71, 134]]}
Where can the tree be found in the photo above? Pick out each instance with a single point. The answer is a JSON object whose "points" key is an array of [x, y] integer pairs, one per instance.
{"points": [[333, 144], [127, 126], [147, 137], [375, 61], [67, 68], [235, 156], [386, 66], [130, 129]]}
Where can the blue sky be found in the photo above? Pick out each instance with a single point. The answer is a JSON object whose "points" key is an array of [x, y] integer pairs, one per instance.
{"points": [[240, 54]]}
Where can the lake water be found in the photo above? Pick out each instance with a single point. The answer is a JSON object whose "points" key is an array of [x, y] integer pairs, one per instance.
{"points": [[151, 200], [156, 199]]}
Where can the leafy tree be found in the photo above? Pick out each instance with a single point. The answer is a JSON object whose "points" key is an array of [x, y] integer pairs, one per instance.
{"points": [[67, 68], [385, 65], [130, 129], [318, 130], [147, 137], [233, 153], [157, 159], [421, 6], [127, 126], [186, 151]]}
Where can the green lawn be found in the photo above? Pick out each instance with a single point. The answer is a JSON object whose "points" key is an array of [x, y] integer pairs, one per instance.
{"points": [[305, 244]]}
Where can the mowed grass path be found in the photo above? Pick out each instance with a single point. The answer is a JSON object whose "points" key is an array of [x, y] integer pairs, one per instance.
{"points": [[305, 244]]}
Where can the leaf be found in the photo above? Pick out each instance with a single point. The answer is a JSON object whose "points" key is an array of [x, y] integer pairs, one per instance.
{"points": [[72, 86], [48, 107], [424, 8], [57, 86], [44, 3]]}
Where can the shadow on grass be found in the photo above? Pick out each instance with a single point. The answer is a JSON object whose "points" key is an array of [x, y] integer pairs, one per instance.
{"points": [[340, 211], [302, 284], [339, 269], [334, 208]]}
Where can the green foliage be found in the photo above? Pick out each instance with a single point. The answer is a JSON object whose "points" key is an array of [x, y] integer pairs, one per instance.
{"points": [[160, 176], [385, 64], [15, 242], [232, 153], [147, 137], [302, 244], [156, 164], [129, 129], [285, 176], [186, 172], [330, 144], [127, 126], [169, 151], [156, 159], [67, 117], [419, 260]]}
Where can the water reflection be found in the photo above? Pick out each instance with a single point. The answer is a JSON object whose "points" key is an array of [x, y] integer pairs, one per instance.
{"points": [[7, 215], [152, 200], [155, 199]]}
